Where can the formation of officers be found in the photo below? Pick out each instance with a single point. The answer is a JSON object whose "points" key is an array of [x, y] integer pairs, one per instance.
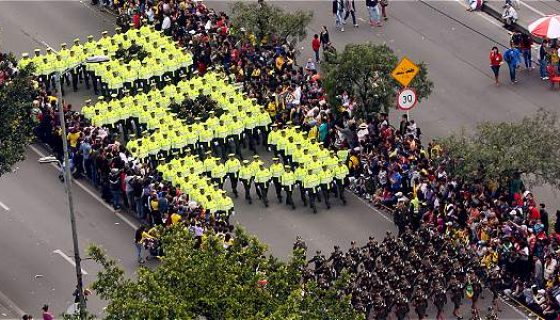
{"points": [[193, 150], [137, 58], [406, 274]]}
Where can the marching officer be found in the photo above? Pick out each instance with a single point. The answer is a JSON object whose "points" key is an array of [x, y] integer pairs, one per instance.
{"points": [[326, 179], [299, 173], [246, 177], [220, 136], [209, 162], [218, 173], [277, 169], [262, 180], [310, 183], [288, 180], [340, 174], [250, 125], [272, 139], [232, 167]]}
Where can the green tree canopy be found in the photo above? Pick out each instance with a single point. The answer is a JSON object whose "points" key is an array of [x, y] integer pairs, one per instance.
{"points": [[499, 150], [16, 120], [364, 71], [263, 20], [239, 283]]}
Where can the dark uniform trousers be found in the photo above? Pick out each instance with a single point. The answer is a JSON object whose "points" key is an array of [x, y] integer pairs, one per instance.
{"points": [[289, 200], [247, 187], [278, 188], [233, 180], [262, 191]]}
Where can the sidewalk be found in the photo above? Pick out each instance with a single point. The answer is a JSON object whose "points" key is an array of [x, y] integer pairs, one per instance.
{"points": [[528, 11]]}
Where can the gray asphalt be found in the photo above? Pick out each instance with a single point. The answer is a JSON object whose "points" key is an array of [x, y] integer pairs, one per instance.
{"points": [[455, 45]]}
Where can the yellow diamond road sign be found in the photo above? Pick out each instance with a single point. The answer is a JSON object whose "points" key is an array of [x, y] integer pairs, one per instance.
{"points": [[405, 71]]}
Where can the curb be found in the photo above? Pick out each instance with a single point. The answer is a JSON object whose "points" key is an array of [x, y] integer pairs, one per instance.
{"points": [[496, 14]]}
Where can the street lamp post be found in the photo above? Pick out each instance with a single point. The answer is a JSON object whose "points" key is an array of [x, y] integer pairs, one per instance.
{"points": [[68, 187]]}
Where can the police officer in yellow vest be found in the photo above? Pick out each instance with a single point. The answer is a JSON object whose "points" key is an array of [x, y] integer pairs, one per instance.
{"points": [[311, 182], [326, 179], [232, 167], [246, 177], [225, 206], [277, 169], [288, 180], [272, 139], [218, 173], [300, 175], [220, 136], [262, 180], [340, 176]]}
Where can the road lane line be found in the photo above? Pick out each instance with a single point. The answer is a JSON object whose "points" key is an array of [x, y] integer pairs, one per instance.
{"points": [[67, 258], [91, 193], [5, 207], [480, 14], [372, 207], [10, 305], [532, 8]]}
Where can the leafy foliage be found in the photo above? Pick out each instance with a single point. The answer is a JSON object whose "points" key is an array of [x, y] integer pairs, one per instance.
{"points": [[263, 20], [16, 120], [364, 71], [497, 151], [239, 283]]}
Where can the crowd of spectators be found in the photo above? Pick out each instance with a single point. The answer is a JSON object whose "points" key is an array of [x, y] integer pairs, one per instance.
{"points": [[7, 68], [502, 222], [389, 166]]}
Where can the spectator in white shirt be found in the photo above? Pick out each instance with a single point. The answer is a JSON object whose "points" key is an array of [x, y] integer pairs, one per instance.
{"points": [[166, 25]]}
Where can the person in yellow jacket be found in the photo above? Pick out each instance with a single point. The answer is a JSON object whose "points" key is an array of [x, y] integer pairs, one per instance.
{"points": [[225, 206], [300, 173], [326, 180], [218, 173], [340, 177], [220, 138], [288, 181], [272, 139], [232, 168], [209, 162], [205, 137], [263, 122], [262, 180], [246, 177], [277, 169], [311, 182]]}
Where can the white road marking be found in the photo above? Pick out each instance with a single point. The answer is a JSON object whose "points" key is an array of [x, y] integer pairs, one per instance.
{"points": [[10, 305], [372, 207], [532, 8], [5, 207], [68, 259], [480, 14], [93, 194]]}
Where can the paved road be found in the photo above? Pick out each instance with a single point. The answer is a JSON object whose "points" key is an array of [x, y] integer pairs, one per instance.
{"points": [[452, 42]]}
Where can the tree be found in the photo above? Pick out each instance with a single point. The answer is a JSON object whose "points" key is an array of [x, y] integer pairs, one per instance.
{"points": [[16, 120], [216, 283], [364, 71], [498, 151], [264, 20]]}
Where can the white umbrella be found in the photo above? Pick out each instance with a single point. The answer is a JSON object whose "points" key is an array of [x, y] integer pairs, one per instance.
{"points": [[546, 27]]}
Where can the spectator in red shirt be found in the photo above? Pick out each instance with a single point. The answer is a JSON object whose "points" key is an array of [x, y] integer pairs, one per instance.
{"points": [[316, 45], [495, 63]]}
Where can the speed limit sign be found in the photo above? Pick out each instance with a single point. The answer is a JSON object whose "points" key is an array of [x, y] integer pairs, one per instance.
{"points": [[406, 99]]}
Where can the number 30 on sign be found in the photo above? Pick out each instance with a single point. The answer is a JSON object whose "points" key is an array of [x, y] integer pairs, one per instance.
{"points": [[406, 99]]}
